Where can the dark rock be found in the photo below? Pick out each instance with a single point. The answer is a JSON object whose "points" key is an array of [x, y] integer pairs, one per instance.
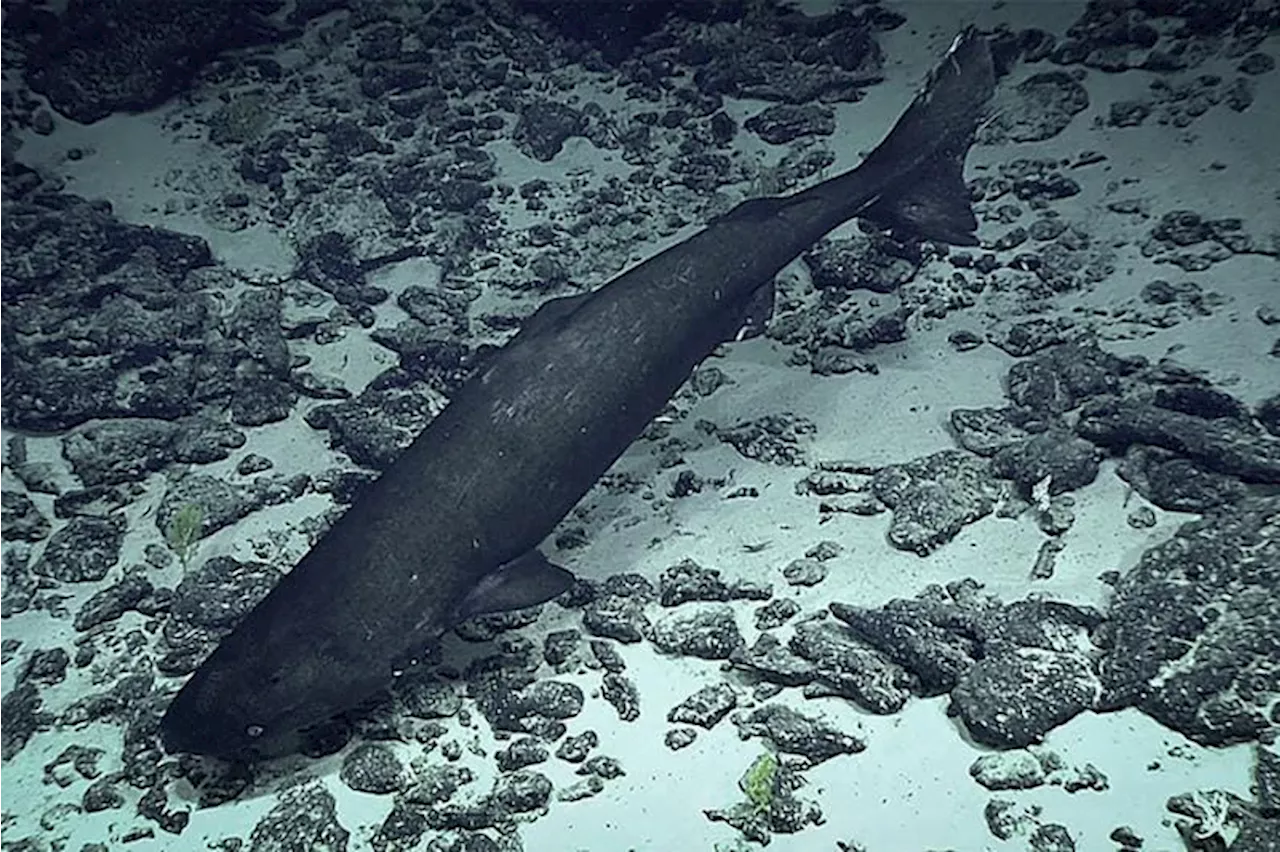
{"points": [[929, 644], [1268, 414], [522, 792], [544, 126], [678, 738], [603, 766], [934, 497], [102, 795], [1015, 698], [208, 603], [100, 501], [804, 572], [790, 58], [936, 655], [47, 667], [98, 453], [1266, 776], [260, 400], [376, 426], [688, 581], [576, 749], [20, 584], [442, 312], [710, 633], [616, 617], [964, 340], [795, 733], [1029, 337], [20, 519], [83, 551], [607, 656], [552, 699], [403, 829], [1176, 483], [861, 262], [846, 666], [253, 463], [1070, 462], [1203, 401], [706, 707], [1051, 837], [1182, 228], [304, 817], [1128, 113], [120, 702], [89, 303], [1257, 63], [616, 33], [985, 431], [328, 260], [437, 783], [23, 718], [621, 692], [132, 55], [428, 698], [257, 322], [1195, 627], [128, 449], [114, 601], [223, 503], [1214, 813], [1061, 378], [772, 438], [372, 768], [522, 752], [1222, 445], [769, 659], [560, 646], [783, 123], [776, 613]]}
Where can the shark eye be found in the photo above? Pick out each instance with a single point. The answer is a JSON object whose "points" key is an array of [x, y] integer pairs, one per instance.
{"points": [[254, 731]]}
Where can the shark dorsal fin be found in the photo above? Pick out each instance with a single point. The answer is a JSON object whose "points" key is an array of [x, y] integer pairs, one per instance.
{"points": [[551, 312]]}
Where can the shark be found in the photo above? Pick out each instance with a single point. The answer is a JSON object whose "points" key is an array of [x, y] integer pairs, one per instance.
{"points": [[452, 528]]}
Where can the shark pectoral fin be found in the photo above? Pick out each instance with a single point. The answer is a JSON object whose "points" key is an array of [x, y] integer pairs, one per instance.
{"points": [[933, 203], [756, 315], [524, 581]]}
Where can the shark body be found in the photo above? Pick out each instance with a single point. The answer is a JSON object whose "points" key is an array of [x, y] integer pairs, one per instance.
{"points": [[451, 529]]}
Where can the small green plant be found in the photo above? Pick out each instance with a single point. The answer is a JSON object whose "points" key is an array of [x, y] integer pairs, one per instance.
{"points": [[759, 782], [184, 531]]}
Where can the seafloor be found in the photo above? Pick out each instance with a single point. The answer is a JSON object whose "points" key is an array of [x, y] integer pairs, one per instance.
{"points": [[973, 549]]}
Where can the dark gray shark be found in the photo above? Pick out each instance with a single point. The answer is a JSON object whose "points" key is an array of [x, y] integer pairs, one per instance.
{"points": [[451, 529]]}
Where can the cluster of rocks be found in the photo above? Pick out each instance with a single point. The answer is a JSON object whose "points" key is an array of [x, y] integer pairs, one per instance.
{"points": [[1182, 444]]}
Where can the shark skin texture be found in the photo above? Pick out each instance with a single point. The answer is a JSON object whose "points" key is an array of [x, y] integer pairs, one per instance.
{"points": [[451, 529]]}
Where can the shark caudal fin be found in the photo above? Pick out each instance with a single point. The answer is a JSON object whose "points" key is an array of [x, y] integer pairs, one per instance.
{"points": [[928, 144]]}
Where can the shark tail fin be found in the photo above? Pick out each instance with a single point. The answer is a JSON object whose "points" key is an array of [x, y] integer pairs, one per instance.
{"points": [[927, 147], [934, 205]]}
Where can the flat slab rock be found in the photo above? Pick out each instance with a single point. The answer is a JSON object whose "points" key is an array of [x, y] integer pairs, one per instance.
{"points": [[1194, 634]]}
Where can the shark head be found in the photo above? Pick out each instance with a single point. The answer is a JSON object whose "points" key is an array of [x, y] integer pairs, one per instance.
{"points": [[281, 673], [198, 721], [249, 706]]}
